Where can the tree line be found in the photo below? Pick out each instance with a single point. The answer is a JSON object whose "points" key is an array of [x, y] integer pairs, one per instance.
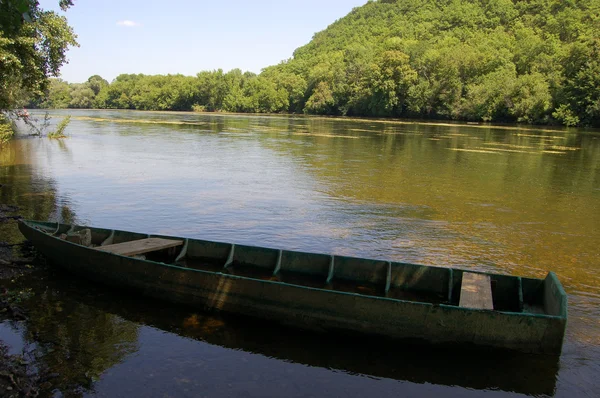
{"points": [[534, 61]]}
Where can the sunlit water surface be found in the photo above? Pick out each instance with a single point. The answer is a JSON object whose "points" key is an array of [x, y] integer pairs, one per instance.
{"points": [[498, 199]]}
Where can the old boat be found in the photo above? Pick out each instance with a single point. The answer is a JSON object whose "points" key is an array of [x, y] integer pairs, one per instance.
{"points": [[318, 291]]}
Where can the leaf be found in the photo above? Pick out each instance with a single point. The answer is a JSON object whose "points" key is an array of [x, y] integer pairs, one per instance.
{"points": [[22, 6]]}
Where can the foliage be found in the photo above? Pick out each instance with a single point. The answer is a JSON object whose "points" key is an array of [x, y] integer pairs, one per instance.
{"points": [[39, 128], [6, 129], [59, 132], [198, 108], [535, 61], [33, 43], [96, 83], [59, 95]]}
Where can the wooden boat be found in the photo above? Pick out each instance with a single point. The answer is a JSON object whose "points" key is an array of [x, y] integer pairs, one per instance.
{"points": [[318, 291]]}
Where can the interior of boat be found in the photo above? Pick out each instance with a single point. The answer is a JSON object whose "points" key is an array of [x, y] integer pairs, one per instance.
{"points": [[392, 280]]}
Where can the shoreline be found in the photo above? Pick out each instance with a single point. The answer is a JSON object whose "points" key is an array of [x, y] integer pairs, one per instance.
{"points": [[545, 128], [20, 374]]}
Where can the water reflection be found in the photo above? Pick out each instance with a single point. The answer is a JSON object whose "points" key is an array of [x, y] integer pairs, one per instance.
{"points": [[74, 341], [82, 330], [503, 199], [27, 187], [60, 337]]}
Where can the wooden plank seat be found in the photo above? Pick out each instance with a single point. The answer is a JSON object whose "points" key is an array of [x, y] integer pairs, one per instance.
{"points": [[140, 246], [476, 291]]}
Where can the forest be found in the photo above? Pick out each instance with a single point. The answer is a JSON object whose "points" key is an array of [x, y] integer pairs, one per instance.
{"points": [[525, 61]]}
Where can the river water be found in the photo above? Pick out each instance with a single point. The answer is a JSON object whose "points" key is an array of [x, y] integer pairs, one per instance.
{"points": [[520, 201]]}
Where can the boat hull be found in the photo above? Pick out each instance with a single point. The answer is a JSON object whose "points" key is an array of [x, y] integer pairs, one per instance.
{"points": [[305, 307]]}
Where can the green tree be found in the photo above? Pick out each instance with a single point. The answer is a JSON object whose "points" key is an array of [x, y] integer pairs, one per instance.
{"points": [[488, 97], [33, 43], [235, 100], [82, 96], [6, 131], [321, 101], [58, 95], [212, 89], [97, 83], [392, 77], [579, 100], [293, 83], [531, 99], [534, 61], [262, 96]]}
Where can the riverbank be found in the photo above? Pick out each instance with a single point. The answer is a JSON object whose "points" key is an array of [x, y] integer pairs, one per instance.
{"points": [[13, 262], [18, 376], [186, 121]]}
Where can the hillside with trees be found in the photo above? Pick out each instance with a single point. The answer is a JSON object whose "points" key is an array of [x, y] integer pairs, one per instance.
{"points": [[530, 61]]}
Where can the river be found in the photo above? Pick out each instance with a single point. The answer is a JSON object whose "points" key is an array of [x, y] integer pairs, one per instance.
{"points": [[520, 201]]}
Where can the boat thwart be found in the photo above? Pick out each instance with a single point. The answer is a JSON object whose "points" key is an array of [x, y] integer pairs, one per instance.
{"points": [[319, 291]]}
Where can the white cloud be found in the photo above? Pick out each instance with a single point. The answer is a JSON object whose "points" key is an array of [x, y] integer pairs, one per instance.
{"points": [[129, 24]]}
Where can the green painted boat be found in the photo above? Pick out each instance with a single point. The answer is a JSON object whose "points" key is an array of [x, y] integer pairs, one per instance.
{"points": [[318, 291]]}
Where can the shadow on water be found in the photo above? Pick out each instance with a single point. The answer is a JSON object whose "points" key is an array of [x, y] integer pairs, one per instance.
{"points": [[83, 330]]}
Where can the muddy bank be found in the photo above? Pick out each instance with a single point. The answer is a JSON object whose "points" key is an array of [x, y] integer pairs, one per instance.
{"points": [[19, 376], [15, 258]]}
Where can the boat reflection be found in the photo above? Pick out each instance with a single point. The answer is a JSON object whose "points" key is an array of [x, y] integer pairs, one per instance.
{"points": [[359, 355]]}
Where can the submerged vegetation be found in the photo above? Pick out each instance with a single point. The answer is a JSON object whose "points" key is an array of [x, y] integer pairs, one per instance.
{"points": [[535, 61]]}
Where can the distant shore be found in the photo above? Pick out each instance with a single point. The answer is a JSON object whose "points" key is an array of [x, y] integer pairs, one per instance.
{"points": [[398, 121]]}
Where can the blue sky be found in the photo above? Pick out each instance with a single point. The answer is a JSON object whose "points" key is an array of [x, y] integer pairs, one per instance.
{"points": [[186, 36]]}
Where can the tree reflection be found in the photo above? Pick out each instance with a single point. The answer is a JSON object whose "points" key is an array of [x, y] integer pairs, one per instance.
{"points": [[74, 341], [68, 339], [365, 355]]}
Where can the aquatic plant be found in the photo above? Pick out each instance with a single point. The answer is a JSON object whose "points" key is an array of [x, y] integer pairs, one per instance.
{"points": [[60, 128]]}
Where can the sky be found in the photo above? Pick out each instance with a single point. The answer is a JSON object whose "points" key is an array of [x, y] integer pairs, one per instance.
{"points": [[187, 36]]}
